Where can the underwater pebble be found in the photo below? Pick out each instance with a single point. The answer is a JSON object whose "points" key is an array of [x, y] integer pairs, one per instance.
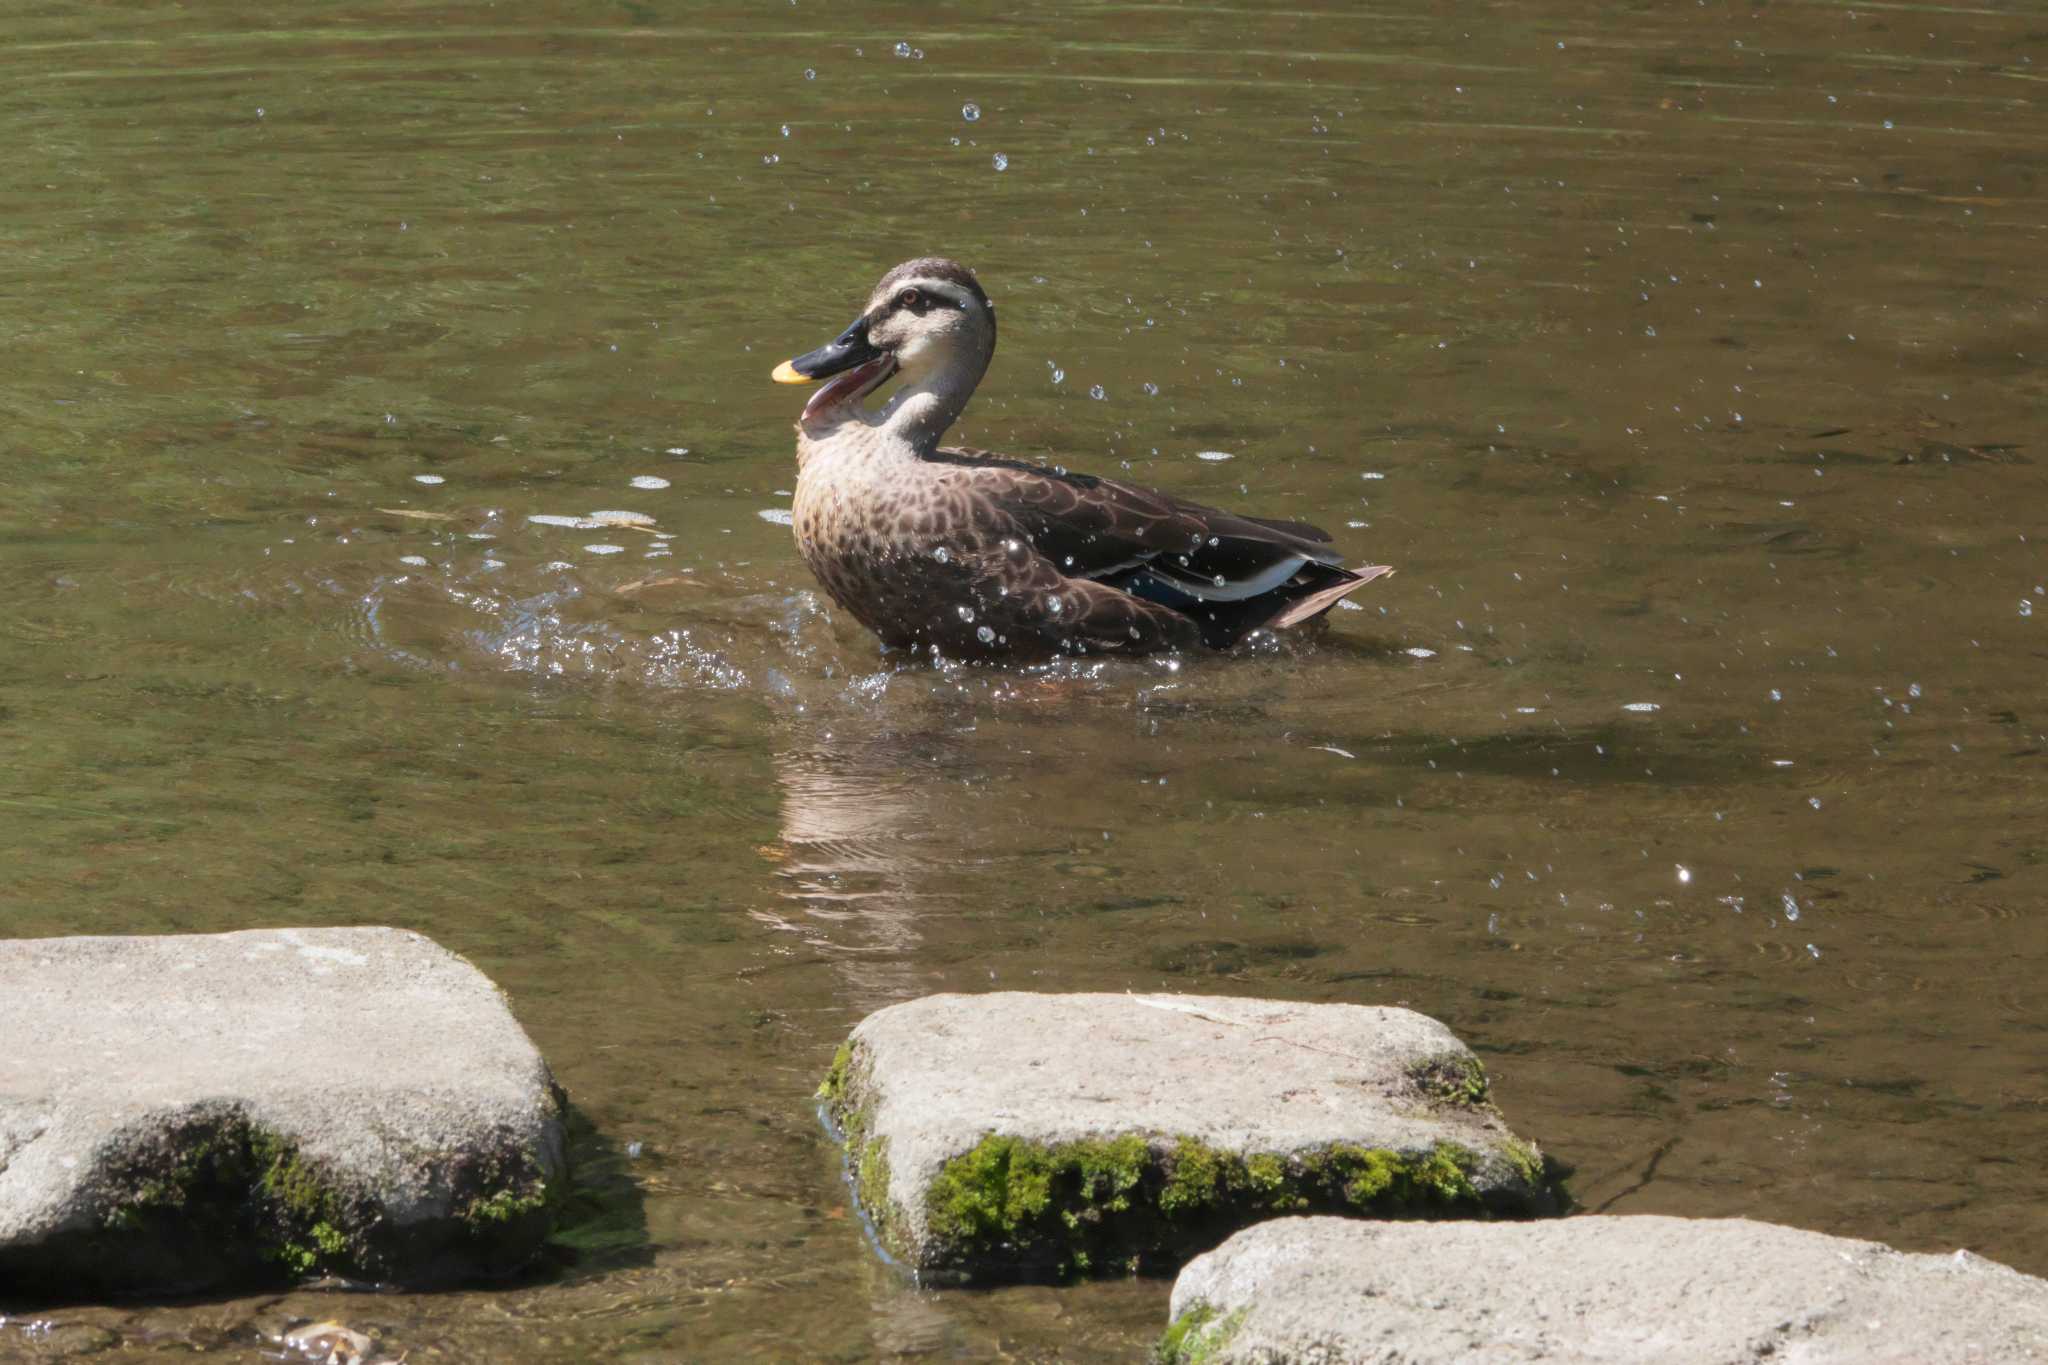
{"points": [[621, 519]]}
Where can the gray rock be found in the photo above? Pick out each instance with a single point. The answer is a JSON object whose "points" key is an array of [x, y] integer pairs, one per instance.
{"points": [[1609, 1290], [1024, 1136], [195, 1111]]}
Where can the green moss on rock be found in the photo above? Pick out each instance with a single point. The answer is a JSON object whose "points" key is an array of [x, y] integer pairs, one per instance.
{"points": [[1101, 1205], [218, 1199], [834, 1083], [1196, 1336], [1010, 1208], [1457, 1080]]}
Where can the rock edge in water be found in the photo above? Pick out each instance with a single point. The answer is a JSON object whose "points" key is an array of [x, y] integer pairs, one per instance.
{"points": [[195, 1112], [1025, 1136], [1597, 1289]]}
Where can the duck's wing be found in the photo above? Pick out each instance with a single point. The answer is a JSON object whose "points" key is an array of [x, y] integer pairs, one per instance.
{"points": [[1134, 549], [1104, 529]]}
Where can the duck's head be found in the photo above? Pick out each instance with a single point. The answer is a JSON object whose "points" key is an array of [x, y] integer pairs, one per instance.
{"points": [[928, 320]]}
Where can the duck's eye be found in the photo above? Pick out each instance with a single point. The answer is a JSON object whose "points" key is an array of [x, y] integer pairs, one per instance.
{"points": [[911, 299]]}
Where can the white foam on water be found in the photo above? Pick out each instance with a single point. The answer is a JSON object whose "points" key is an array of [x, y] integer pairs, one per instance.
{"points": [[604, 549], [428, 478], [1214, 456], [573, 523], [780, 516], [650, 482]]}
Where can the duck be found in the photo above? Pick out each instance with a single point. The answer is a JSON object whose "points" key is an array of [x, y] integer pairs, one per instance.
{"points": [[965, 554]]}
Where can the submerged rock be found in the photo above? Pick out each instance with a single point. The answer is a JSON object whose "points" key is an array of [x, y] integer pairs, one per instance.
{"points": [[1594, 1289], [1014, 1136], [198, 1111]]}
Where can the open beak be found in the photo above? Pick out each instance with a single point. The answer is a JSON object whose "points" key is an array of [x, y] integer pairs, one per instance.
{"points": [[848, 349], [859, 366]]}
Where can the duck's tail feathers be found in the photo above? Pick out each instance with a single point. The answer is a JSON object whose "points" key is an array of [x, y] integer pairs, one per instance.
{"points": [[1321, 600]]}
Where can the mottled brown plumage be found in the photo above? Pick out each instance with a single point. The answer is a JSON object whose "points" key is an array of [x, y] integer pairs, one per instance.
{"points": [[965, 554]]}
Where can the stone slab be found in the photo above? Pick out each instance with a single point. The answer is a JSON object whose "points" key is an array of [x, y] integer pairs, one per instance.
{"points": [[189, 1112], [1600, 1290], [1016, 1135]]}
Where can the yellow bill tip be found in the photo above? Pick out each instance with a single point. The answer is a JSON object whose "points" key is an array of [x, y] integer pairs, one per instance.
{"points": [[785, 373]]}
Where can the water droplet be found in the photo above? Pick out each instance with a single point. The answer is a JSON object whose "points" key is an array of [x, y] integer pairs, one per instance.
{"points": [[1096, 392], [770, 159], [903, 49], [1887, 123], [941, 553], [1684, 875], [1054, 605], [2026, 607], [785, 130], [1791, 905], [1151, 390], [1913, 690], [1059, 375], [984, 634], [1776, 695], [966, 613], [810, 73], [970, 111], [1813, 801], [1000, 162]]}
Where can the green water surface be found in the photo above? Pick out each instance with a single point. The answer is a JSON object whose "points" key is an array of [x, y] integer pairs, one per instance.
{"points": [[1687, 360]]}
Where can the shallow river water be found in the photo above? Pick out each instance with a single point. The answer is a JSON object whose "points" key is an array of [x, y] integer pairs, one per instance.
{"points": [[1687, 360]]}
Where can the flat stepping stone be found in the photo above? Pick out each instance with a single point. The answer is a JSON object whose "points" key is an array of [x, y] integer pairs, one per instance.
{"points": [[202, 1111], [1020, 1136], [1593, 1289]]}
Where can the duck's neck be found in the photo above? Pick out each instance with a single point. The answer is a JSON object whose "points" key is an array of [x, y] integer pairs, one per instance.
{"points": [[919, 413]]}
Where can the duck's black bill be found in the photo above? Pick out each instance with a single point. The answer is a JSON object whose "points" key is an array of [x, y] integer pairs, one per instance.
{"points": [[850, 348]]}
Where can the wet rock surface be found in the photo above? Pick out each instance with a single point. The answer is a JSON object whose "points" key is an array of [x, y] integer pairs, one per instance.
{"points": [[1024, 1136], [190, 1112], [1594, 1289]]}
